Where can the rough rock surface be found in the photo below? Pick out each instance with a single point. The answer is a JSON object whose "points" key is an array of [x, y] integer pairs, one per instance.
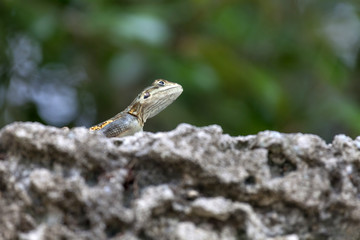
{"points": [[188, 184]]}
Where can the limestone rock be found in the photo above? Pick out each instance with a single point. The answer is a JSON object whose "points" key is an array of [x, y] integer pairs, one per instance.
{"points": [[188, 184]]}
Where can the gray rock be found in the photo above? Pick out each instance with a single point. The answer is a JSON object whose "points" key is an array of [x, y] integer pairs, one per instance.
{"points": [[188, 184]]}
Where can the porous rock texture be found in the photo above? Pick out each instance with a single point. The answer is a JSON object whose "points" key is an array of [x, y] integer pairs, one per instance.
{"points": [[188, 184]]}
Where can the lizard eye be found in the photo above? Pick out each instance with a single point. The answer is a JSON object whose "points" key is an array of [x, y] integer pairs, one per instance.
{"points": [[146, 95], [161, 83]]}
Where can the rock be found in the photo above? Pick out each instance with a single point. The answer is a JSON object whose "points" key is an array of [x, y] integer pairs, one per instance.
{"points": [[188, 184], [218, 208]]}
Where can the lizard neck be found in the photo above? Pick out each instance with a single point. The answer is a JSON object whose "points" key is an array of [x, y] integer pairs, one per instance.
{"points": [[136, 110]]}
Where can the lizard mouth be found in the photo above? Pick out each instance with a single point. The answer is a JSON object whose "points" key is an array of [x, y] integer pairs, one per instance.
{"points": [[175, 90]]}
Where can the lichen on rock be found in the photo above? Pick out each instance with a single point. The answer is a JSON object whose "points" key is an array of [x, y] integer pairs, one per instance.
{"points": [[190, 183]]}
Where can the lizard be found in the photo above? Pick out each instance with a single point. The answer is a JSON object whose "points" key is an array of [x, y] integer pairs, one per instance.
{"points": [[147, 104]]}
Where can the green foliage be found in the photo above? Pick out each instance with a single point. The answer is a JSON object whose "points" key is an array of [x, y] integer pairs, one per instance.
{"points": [[290, 66]]}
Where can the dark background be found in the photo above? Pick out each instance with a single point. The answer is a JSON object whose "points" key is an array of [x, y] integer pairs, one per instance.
{"points": [[290, 66]]}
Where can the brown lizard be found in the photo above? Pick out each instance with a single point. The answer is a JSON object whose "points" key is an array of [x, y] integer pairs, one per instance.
{"points": [[147, 104]]}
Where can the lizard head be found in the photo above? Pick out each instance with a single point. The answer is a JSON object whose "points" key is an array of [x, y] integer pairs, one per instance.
{"points": [[154, 99]]}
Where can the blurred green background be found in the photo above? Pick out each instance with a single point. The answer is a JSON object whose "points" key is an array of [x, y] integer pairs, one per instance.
{"points": [[247, 65]]}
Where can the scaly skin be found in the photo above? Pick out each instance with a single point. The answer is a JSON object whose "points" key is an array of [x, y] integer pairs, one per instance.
{"points": [[147, 104]]}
